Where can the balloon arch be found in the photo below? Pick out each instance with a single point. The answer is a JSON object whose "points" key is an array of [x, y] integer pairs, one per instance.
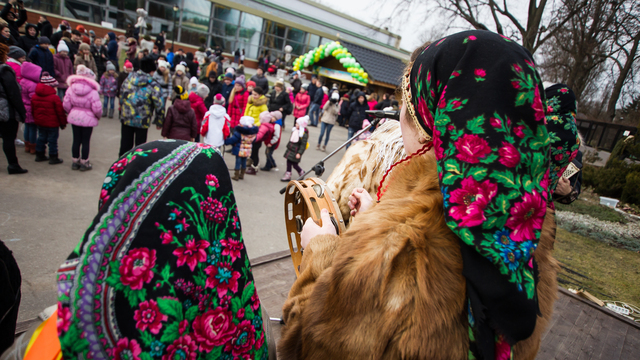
{"points": [[337, 51]]}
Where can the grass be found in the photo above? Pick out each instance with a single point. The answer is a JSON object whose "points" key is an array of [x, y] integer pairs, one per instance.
{"points": [[609, 273], [595, 210]]}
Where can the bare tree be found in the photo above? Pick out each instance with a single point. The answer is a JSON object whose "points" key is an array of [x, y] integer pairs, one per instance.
{"points": [[532, 34]]}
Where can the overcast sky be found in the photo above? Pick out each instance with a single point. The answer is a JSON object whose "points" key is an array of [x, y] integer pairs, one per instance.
{"points": [[423, 22]]}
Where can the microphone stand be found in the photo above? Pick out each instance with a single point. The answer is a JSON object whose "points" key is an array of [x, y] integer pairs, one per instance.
{"points": [[318, 168]]}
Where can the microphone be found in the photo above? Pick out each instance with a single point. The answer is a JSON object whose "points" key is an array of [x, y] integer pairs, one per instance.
{"points": [[395, 115]]}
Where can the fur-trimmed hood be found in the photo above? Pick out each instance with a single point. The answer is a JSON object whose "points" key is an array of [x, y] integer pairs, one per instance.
{"points": [[83, 84], [262, 100]]}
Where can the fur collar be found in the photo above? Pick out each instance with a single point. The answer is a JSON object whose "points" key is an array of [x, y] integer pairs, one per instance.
{"points": [[77, 78], [262, 100]]}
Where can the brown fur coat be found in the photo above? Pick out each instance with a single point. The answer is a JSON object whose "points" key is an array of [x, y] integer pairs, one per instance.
{"points": [[391, 287]]}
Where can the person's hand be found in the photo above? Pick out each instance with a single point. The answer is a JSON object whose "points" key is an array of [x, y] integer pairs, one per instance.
{"points": [[359, 201], [281, 110], [311, 229], [298, 156], [268, 145], [564, 186]]}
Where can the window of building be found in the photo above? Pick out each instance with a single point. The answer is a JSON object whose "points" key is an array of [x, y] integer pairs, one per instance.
{"points": [[51, 6], [250, 34], [226, 14], [195, 15]]}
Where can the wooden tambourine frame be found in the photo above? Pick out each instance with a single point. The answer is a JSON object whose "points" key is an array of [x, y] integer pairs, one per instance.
{"points": [[302, 200]]}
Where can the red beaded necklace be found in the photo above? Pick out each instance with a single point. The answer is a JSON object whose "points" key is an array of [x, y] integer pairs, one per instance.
{"points": [[420, 152]]}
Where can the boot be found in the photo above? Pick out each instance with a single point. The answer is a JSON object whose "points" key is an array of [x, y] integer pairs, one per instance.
{"points": [[242, 172], [104, 112], [110, 113], [27, 147], [16, 169], [301, 173], [236, 175], [76, 164], [318, 147], [324, 148], [286, 177], [40, 157], [54, 159], [85, 165], [32, 148], [250, 170]]}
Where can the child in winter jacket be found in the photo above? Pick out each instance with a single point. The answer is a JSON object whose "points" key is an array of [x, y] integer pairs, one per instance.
{"points": [[301, 103], [180, 122], [256, 104], [30, 79], [193, 84], [238, 101], [275, 121], [82, 103], [85, 58], [48, 115], [15, 57], [64, 68], [215, 126], [196, 99], [296, 147], [179, 79], [108, 89], [242, 140], [367, 134]]}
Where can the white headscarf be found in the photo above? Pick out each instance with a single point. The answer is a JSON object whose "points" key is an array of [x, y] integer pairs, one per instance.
{"points": [[296, 134]]}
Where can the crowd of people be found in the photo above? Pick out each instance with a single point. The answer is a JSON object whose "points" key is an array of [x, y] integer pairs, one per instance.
{"points": [[177, 92]]}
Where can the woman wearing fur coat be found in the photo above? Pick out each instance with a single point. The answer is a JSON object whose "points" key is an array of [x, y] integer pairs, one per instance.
{"points": [[454, 259]]}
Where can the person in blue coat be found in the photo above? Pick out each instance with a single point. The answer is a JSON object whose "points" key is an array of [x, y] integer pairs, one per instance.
{"points": [[41, 56], [112, 50]]}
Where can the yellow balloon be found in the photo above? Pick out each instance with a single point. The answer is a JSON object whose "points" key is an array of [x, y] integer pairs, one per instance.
{"points": [[365, 75]]}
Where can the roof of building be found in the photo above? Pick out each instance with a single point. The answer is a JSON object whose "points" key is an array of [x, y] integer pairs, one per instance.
{"points": [[381, 67]]}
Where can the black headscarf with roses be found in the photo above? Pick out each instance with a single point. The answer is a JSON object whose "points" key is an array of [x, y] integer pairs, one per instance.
{"points": [[162, 271], [478, 97]]}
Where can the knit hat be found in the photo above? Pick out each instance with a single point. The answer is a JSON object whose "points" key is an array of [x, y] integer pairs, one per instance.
{"points": [[265, 117], [251, 83], [305, 86], [44, 40], [240, 80], [228, 76], [48, 80], [219, 99], [62, 46], [81, 28], [85, 71], [16, 52], [84, 46], [246, 121], [203, 91], [279, 84], [92, 32], [164, 64], [335, 96], [183, 95], [231, 71], [181, 68], [128, 64], [110, 66], [303, 122], [276, 114], [147, 64], [193, 81]]}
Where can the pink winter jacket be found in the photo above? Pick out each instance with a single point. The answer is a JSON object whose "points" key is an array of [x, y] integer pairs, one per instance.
{"points": [[82, 101], [17, 68], [30, 78]]}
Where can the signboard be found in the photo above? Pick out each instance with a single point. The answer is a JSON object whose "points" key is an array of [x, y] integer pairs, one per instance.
{"points": [[337, 75]]}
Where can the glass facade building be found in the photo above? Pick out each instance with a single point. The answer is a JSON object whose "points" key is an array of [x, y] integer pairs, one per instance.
{"points": [[197, 23]]}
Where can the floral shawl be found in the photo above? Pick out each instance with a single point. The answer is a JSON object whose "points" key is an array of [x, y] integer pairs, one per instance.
{"points": [[479, 97], [563, 131], [162, 271]]}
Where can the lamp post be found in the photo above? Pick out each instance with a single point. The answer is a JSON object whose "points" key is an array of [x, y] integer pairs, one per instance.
{"points": [[175, 19]]}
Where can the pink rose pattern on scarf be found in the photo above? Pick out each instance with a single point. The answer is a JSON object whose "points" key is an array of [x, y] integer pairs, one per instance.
{"points": [[172, 278], [485, 112]]}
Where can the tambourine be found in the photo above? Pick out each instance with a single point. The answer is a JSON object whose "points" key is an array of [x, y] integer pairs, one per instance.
{"points": [[302, 200]]}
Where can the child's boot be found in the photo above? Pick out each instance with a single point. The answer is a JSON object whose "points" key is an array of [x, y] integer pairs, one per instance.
{"points": [[27, 147], [32, 149], [236, 175], [54, 160], [250, 170], [40, 156], [76, 164], [286, 177], [110, 113], [104, 112], [85, 165], [242, 172], [301, 173]]}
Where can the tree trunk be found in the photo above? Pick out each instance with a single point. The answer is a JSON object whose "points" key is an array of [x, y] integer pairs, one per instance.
{"points": [[624, 72]]}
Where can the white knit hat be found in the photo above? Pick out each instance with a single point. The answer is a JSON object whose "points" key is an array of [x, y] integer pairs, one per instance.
{"points": [[62, 46], [193, 81], [181, 68], [164, 64], [246, 121]]}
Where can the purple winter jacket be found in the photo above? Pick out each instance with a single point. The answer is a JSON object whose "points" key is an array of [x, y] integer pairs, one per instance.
{"points": [[64, 69], [30, 78], [82, 101], [108, 85]]}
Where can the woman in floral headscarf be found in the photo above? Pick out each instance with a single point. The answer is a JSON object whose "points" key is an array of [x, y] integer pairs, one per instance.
{"points": [[443, 266], [162, 272]]}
